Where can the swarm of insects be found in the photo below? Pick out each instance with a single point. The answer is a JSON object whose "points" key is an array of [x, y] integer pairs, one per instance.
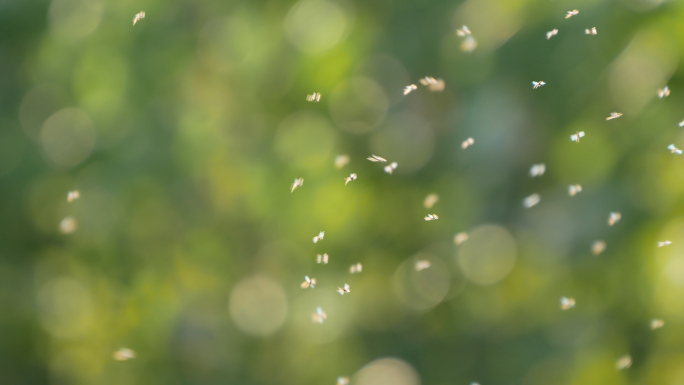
{"points": [[315, 97], [674, 149], [663, 92], [410, 88], [613, 218], [421, 265], [591, 31], [624, 362], [375, 158], [73, 195], [431, 217], [614, 115], [341, 161], [538, 84], [322, 258], [138, 16], [391, 167], [570, 14], [574, 189], [350, 178], [319, 316], [344, 289], [123, 354], [357, 268], [460, 238], [657, 323], [68, 225], [298, 182], [319, 237], [598, 247], [434, 85], [531, 201], [576, 137], [567, 303], [537, 170], [430, 200], [551, 34], [467, 143], [308, 282]]}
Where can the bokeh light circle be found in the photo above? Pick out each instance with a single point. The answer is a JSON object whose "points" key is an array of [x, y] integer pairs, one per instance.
{"points": [[68, 137], [258, 306], [314, 26], [305, 139], [358, 105], [388, 72], [387, 371], [425, 289], [74, 19], [407, 139], [488, 256], [65, 308]]}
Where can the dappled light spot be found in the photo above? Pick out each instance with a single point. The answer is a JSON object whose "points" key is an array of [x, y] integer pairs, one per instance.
{"points": [[68, 137], [74, 19], [305, 139], [358, 105], [386, 371], [258, 306], [488, 256], [420, 287], [406, 138], [315, 26], [66, 308]]}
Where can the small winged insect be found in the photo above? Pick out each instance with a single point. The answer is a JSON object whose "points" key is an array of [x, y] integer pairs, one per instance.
{"points": [[657, 323], [531, 201], [663, 92], [430, 200], [681, 124], [467, 143], [322, 258], [138, 16], [624, 362], [298, 182], [614, 218], [375, 159], [664, 243], [474, 383], [410, 88], [308, 282], [576, 137], [591, 31], [551, 34], [319, 316], [341, 161], [434, 85], [319, 237], [357, 268], [123, 354], [343, 290], [463, 32], [574, 189], [391, 167], [598, 247], [567, 303], [537, 170], [570, 14], [614, 115], [349, 179], [422, 265], [431, 217], [538, 84], [342, 380], [315, 97], [73, 195], [674, 149], [68, 225], [460, 238]]}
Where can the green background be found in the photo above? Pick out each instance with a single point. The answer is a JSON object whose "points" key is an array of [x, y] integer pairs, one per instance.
{"points": [[183, 135]]}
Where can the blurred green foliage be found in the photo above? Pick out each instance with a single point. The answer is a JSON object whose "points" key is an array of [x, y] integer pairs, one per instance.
{"points": [[184, 132]]}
